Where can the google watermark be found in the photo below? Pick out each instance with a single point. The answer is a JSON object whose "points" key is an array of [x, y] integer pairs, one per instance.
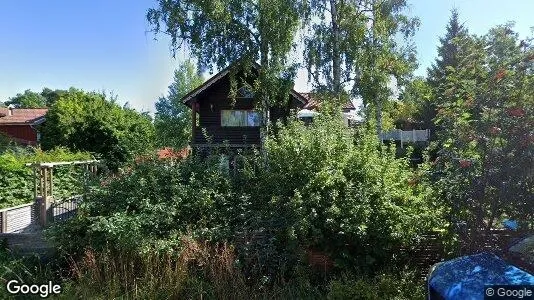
{"points": [[525, 292], [14, 287]]}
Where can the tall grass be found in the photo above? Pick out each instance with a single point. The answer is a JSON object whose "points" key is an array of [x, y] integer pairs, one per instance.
{"points": [[198, 271]]}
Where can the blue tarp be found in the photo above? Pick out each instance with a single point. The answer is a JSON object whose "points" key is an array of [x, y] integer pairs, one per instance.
{"points": [[464, 278]]}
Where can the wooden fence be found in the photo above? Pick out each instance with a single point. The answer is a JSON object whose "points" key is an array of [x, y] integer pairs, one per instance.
{"points": [[21, 218], [45, 208], [430, 249], [26, 217]]}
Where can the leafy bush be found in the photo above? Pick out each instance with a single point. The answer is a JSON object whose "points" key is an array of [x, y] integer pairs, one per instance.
{"points": [[343, 193], [152, 203], [16, 179], [89, 122], [324, 187]]}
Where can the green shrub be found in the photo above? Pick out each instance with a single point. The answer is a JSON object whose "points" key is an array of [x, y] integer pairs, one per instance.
{"points": [[150, 204], [85, 121], [384, 286], [17, 180], [343, 193], [324, 187]]}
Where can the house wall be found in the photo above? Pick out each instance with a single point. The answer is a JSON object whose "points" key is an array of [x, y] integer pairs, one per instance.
{"points": [[20, 133], [209, 117]]}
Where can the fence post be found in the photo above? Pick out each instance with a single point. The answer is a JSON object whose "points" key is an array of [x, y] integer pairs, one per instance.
{"points": [[3, 226]]}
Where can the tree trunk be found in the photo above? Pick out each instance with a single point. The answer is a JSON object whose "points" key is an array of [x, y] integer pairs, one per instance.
{"points": [[265, 120], [336, 56], [378, 112]]}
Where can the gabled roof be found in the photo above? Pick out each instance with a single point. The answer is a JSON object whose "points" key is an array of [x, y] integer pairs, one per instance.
{"points": [[214, 79], [22, 116]]}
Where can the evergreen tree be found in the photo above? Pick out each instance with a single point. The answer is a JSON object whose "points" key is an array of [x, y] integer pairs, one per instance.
{"points": [[448, 50], [448, 61]]}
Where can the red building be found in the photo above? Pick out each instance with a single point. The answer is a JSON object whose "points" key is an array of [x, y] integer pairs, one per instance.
{"points": [[21, 124]]}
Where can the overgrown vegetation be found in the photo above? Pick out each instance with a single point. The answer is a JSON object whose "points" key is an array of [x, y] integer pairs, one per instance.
{"points": [[83, 121], [341, 189], [198, 228], [17, 179]]}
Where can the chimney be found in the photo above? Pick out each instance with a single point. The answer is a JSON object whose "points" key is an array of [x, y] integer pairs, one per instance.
{"points": [[10, 111]]}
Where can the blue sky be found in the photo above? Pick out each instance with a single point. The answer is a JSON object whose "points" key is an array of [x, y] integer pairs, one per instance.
{"points": [[104, 45]]}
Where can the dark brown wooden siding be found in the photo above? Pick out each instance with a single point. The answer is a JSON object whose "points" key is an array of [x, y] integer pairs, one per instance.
{"points": [[232, 135], [210, 104]]}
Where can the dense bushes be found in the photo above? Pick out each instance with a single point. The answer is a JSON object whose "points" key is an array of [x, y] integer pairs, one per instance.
{"points": [[345, 195], [324, 188], [84, 121], [152, 203], [16, 179]]}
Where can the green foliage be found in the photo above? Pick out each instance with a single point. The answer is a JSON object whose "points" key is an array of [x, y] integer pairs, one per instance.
{"points": [[448, 50], [152, 203], [357, 43], [16, 179], [485, 116], [384, 286], [30, 99], [323, 188], [5, 142], [84, 121], [173, 119], [27, 269], [220, 33], [336, 192], [417, 105], [199, 271]]}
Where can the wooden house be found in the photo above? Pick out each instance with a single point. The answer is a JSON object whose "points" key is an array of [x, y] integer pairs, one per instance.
{"points": [[22, 124], [218, 119]]}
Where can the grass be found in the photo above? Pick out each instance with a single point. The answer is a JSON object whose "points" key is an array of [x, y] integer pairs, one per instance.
{"points": [[198, 271]]}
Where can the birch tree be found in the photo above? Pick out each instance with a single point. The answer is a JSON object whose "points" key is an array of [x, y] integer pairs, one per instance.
{"points": [[355, 45], [221, 32]]}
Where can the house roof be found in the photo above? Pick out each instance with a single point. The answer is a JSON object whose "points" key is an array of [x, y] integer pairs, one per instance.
{"points": [[308, 99], [22, 116], [314, 103], [214, 79]]}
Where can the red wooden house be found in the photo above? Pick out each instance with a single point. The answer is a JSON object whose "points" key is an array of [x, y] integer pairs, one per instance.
{"points": [[21, 124]]}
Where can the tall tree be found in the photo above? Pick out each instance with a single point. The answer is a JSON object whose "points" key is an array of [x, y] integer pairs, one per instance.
{"points": [[447, 50], [52, 95], [28, 99], [357, 43], [486, 160], [84, 121], [173, 119], [221, 32], [382, 57], [451, 47], [334, 28]]}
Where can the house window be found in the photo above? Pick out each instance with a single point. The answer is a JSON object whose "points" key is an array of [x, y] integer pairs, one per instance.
{"points": [[240, 118]]}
